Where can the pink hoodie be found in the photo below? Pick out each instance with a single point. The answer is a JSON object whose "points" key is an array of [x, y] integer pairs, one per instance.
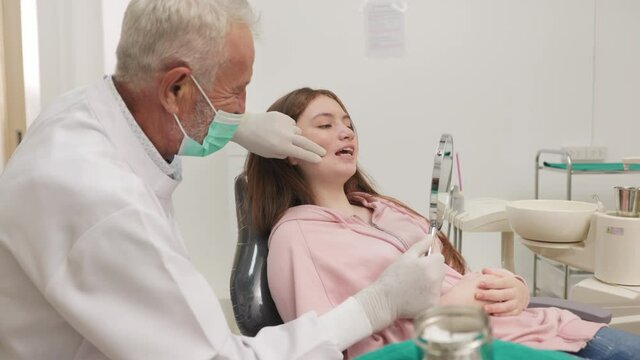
{"points": [[319, 257]]}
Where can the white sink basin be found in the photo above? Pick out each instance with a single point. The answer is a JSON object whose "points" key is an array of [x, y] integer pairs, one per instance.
{"points": [[562, 221]]}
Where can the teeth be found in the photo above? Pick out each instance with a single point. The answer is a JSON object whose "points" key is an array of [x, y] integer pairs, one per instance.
{"points": [[345, 150]]}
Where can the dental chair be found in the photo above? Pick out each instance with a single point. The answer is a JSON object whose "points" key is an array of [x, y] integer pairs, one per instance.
{"points": [[253, 307]]}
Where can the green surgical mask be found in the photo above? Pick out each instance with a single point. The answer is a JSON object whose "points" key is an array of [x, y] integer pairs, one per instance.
{"points": [[221, 130]]}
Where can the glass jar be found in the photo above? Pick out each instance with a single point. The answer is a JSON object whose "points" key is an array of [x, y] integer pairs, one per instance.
{"points": [[454, 332]]}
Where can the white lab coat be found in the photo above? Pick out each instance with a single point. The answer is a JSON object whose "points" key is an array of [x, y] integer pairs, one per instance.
{"points": [[92, 265]]}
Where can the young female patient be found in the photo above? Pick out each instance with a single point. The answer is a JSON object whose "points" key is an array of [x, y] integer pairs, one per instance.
{"points": [[332, 234]]}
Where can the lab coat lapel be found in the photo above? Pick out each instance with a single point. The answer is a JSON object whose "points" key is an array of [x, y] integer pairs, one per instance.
{"points": [[109, 112]]}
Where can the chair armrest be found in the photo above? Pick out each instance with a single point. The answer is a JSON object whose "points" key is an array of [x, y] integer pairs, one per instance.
{"points": [[584, 311]]}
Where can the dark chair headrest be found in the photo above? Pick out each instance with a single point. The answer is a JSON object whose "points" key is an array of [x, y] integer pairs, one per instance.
{"points": [[253, 306]]}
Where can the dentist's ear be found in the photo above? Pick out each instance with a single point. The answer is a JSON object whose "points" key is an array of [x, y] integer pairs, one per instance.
{"points": [[171, 90]]}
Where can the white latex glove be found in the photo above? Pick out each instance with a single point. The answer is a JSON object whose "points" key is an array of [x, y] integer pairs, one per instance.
{"points": [[275, 135], [407, 288]]}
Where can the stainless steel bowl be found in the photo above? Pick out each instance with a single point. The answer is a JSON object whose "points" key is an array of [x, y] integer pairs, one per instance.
{"points": [[627, 201]]}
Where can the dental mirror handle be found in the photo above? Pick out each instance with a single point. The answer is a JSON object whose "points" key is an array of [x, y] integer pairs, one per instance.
{"points": [[432, 233]]}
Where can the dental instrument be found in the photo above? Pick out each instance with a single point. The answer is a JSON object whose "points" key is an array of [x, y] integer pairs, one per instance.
{"points": [[440, 182], [459, 172]]}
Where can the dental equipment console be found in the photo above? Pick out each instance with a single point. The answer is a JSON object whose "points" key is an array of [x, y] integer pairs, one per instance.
{"points": [[613, 236], [440, 200], [609, 247], [610, 250], [614, 240], [617, 243], [440, 182], [575, 254]]}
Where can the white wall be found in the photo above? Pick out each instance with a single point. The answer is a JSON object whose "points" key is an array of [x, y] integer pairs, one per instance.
{"points": [[70, 36], [617, 105], [505, 77]]}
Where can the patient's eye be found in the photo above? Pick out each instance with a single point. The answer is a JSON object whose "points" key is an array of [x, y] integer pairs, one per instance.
{"points": [[325, 126], [347, 122]]}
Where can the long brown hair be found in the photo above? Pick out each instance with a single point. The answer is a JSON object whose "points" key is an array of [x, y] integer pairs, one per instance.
{"points": [[274, 185]]}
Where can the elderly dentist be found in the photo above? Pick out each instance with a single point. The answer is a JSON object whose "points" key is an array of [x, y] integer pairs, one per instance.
{"points": [[92, 265]]}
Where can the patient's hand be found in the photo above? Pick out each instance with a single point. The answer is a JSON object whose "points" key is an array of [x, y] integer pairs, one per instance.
{"points": [[506, 295], [463, 292]]}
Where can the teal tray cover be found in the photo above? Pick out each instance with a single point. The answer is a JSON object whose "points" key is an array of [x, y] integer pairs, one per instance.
{"points": [[593, 166]]}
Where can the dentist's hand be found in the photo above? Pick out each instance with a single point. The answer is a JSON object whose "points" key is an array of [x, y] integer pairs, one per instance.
{"points": [[408, 287], [275, 135], [507, 294]]}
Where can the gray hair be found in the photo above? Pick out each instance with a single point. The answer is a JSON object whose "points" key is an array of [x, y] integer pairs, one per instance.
{"points": [[159, 34]]}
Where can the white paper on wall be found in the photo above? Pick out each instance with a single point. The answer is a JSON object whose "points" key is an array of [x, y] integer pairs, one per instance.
{"points": [[384, 22]]}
